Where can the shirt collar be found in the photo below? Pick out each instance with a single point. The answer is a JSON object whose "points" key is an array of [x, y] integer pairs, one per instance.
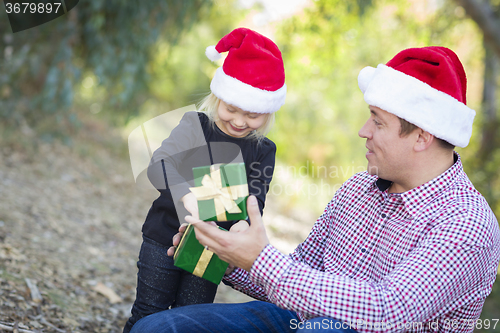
{"points": [[417, 198]]}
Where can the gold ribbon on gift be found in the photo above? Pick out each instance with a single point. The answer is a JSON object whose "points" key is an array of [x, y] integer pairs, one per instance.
{"points": [[224, 197], [204, 259], [181, 243], [203, 262]]}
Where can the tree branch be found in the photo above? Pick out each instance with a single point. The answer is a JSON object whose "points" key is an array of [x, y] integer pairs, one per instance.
{"points": [[483, 14], [14, 328]]}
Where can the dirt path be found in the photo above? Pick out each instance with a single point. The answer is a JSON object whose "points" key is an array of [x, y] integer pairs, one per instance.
{"points": [[70, 221]]}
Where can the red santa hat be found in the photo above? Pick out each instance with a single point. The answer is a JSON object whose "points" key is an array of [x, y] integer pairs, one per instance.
{"points": [[252, 76], [426, 87]]}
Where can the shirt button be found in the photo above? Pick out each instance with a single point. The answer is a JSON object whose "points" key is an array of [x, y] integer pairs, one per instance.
{"points": [[363, 250], [383, 216]]}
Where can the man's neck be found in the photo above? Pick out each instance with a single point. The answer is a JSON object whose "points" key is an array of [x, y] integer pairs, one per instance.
{"points": [[424, 170]]}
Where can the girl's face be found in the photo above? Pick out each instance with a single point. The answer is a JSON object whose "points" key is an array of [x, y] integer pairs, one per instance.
{"points": [[238, 123]]}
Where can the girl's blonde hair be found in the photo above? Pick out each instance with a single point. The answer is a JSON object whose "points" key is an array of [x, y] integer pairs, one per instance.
{"points": [[210, 104]]}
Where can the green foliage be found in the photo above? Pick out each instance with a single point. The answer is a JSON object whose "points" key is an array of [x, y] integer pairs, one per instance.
{"points": [[484, 162], [325, 48], [180, 74], [41, 68], [320, 85]]}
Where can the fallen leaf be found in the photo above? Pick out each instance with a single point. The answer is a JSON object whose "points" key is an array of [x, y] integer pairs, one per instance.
{"points": [[107, 292], [34, 292]]}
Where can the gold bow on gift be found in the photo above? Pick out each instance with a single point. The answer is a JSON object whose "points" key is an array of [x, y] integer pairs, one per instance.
{"points": [[211, 188]]}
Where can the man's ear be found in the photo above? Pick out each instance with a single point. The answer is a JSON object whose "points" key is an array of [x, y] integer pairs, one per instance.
{"points": [[424, 140]]}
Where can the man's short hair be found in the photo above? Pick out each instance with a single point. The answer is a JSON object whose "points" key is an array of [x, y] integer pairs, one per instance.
{"points": [[407, 128]]}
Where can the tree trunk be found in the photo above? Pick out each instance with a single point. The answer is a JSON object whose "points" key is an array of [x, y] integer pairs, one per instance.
{"points": [[489, 103], [487, 18], [490, 133]]}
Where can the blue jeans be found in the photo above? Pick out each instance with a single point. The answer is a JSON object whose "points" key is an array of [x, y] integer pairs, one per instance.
{"points": [[256, 316], [161, 285]]}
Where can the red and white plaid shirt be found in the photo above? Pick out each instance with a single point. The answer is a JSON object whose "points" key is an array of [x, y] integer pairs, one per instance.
{"points": [[419, 261]]}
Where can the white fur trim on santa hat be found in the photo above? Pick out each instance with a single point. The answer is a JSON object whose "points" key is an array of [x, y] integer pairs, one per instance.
{"points": [[244, 96], [212, 53], [418, 103]]}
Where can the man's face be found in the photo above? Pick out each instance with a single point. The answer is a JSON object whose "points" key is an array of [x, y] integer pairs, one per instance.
{"points": [[388, 154]]}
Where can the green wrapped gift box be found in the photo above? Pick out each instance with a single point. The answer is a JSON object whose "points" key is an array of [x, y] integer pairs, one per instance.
{"points": [[221, 191], [191, 256]]}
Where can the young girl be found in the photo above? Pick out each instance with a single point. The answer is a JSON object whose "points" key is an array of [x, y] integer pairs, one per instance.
{"points": [[231, 127]]}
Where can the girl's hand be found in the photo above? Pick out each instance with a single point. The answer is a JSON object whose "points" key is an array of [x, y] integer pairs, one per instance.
{"points": [[176, 239], [178, 236], [240, 226], [191, 204]]}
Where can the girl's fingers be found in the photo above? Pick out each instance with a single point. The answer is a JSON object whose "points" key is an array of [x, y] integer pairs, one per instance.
{"points": [[171, 251], [183, 227], [176, 239]]}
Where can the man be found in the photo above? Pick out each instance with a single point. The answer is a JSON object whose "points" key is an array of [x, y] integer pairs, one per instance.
{"points": [[409, 245]]}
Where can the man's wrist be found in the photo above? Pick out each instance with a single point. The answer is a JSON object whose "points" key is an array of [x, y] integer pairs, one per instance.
{"points": [[235, 276], [269, 267]]}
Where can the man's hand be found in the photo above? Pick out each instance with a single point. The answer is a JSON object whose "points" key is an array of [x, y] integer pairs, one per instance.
{"points": [[239, 226], [191, 204], [177, 238], [240, 249]]}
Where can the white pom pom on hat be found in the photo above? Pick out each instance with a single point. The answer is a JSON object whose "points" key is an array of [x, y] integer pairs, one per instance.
{"points": [[212, 53]]}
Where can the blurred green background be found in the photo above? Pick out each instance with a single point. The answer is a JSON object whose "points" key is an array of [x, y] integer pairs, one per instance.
{"points": [[122, 63]]}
